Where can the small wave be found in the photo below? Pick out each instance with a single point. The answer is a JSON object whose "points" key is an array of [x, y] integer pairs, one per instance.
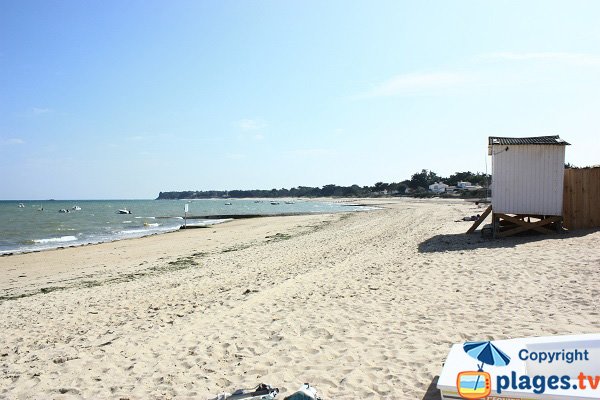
{"points": [[208, 222], [54, 240], [147, 224], [148, 230], [133, 231], [146, 217], [218, 221], [127, 222]]}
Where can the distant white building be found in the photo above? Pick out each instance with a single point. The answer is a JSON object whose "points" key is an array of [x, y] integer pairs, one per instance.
{"points": [[438, 187]]}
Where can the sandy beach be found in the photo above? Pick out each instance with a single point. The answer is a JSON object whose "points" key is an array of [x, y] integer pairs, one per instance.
{"points": [[362, 305]]}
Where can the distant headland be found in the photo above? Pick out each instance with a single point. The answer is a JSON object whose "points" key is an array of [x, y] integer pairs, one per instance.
{"points": [[420, 185]]}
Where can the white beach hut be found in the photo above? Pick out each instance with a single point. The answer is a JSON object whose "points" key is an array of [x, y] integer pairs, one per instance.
{"points": [[527, 175], [527, 183]]}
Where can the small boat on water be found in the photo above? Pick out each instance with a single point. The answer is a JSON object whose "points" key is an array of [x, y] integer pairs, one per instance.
{"points": [[76, 208], [274, 203], [63, 210], [124, 211], [21, 205], [227, 204], [290, 202]]}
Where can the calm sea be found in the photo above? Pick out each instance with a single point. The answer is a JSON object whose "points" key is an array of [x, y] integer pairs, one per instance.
{"points": [[39, 225]]}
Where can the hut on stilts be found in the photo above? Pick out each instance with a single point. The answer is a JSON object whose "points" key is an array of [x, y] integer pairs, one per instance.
{"points": [[527, 185]]}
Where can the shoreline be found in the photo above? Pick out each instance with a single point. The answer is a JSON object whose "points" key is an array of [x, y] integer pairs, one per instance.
{"points": [[15, 265], [209, 221], [361, 305]]}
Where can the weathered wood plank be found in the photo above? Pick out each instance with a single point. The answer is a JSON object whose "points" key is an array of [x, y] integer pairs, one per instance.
{"points": [[526, 226], [581, 198], [481, 219]]}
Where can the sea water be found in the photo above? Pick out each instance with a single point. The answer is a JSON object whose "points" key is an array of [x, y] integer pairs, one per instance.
{"points": [[39, 225]]}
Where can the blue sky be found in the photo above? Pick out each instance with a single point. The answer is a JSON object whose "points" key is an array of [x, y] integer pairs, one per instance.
{"points": [[123, 99]]}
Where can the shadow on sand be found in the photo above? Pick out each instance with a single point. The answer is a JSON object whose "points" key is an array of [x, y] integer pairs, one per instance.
{"points": [[462, 241], [432, 392]]}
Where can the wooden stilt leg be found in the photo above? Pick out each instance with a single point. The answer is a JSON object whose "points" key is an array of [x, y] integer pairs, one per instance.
{"points": [[480, 220]]}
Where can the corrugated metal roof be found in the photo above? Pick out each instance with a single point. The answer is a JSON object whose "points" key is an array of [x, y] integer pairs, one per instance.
{"points": [[528, 140]]}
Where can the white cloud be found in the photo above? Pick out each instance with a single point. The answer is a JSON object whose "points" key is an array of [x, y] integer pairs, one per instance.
{"points": [[39, 111], [250, 129], [578, 59], [250, 124], [414, 83], [12, 141]]}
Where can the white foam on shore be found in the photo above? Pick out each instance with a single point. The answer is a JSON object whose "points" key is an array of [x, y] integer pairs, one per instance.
{"points": [[208, 222], [56, 240], [148, 230]]}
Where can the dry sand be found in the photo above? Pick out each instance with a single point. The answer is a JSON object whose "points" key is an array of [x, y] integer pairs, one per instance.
{"points": [[362, 305]]}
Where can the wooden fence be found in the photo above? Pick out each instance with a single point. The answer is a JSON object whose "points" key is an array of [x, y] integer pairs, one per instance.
{"points": [[581, 198]]}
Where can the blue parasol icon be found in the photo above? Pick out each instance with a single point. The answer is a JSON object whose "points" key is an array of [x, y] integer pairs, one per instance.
{"points": [[487, 353]]}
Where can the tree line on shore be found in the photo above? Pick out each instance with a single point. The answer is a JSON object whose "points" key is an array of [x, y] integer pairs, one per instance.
{"points": [[418, 186]]}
